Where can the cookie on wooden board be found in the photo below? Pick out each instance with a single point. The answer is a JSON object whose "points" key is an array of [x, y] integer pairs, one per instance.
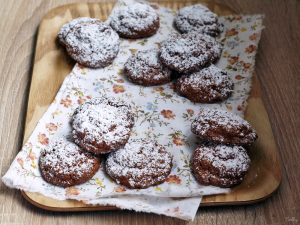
{"points": [[90, 42], [220, 126], [220, 165]]}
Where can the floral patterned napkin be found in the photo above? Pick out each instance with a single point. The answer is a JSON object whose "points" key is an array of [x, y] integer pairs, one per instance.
{"points": [[162, 115]]}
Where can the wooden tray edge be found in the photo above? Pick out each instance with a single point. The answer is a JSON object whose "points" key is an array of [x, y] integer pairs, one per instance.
{"points": [[26, 195]]}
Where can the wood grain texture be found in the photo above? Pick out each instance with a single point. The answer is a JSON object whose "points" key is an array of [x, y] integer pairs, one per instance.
{"points": [[278, 69], [51, 65]]}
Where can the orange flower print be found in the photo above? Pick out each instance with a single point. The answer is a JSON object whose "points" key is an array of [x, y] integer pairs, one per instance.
{"points": [[178, 141], [119, 80], [66, 102], [159, 89], [21, 162], [31, 155], [173, 179], [231, 32], [120, 189], [232, 60], [253, 37], [246, 65], [72, 191], [168, 114], [190, 112], [51, 127], [239, 77], [250, 49], [118, 88], [42, 138], [81, 100]]}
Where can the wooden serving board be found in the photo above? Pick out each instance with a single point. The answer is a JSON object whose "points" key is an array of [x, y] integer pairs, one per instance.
{"points": [[51, 65]]}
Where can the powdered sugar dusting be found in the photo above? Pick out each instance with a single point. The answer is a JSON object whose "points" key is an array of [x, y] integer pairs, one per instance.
{"points": [[66, 158], [211, 80], [229, 160], [103, 120], [147, 66], [189, 52], [94, 44], [143, 162], [228, 124], [133, 18], [215, 47], [197, 18], [66, 28]]}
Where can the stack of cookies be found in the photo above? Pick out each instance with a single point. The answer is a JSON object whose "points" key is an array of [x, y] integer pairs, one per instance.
{"points": [[103, 126], [221, 159]]}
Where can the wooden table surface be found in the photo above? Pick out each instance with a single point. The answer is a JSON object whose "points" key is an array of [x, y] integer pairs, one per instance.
{"points": [[278, 69]]}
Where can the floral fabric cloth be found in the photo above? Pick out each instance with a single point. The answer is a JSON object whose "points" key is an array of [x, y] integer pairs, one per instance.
{"points": [[161, 115]]}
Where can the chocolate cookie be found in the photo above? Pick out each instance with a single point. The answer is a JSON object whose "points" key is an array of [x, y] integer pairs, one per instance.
{"points": [[215, 47], [145, 68], [189, 52], [220, 126], [64, 164], [90, 42], [197, 18], [140, 164], [137, 20], [220, 165], [66, 28], [209, 85], [102, 125]]}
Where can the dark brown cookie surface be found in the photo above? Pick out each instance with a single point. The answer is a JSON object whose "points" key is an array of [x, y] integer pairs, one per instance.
{"points": [[140, 164], [208, 85], [145, 68], [64, 164], [221, 126], [102, 125], [189, 52], [220, 165], [90, 42], [197, 18], [137, 20]]}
